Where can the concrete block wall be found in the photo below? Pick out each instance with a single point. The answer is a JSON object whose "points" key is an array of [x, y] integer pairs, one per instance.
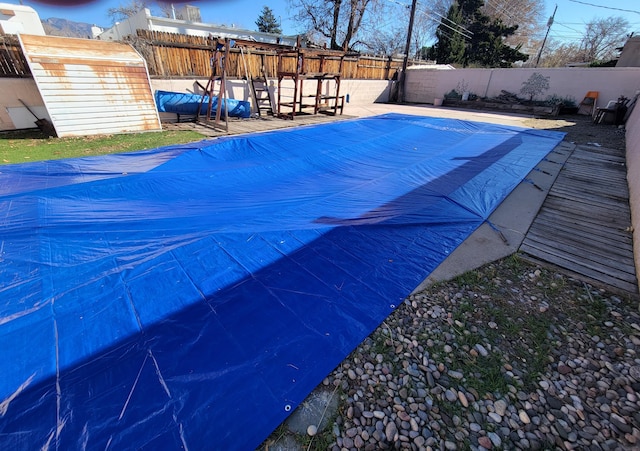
{"points": [[424, 85], [633, 179], [360, 92]]}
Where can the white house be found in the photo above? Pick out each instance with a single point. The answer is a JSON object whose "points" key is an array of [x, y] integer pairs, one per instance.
{"points": [[143, 20], [16, 19]]}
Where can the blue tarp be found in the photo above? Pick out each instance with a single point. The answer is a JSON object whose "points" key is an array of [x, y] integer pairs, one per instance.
{"points": [[186, 103], [193, 296]]}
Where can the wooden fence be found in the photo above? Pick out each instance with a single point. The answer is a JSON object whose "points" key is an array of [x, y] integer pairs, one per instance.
{"points": [[12, 61], [177, 55]]}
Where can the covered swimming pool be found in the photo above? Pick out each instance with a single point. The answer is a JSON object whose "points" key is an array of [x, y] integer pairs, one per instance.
{"points": [[192, 296]]}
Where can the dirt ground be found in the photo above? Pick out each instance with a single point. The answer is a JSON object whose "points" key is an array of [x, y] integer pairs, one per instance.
{"points": [[581, 130]]}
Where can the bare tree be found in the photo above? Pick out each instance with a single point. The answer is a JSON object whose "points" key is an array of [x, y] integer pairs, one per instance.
{"points": [[523, 13], [560, 54], [429, 16], [386, 42], [603, 37], [423, 31], [168, 10], [339, 21], [125, 11], [385, 30], [526, 14]]}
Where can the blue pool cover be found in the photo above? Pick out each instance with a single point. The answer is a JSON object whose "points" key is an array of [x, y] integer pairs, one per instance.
{"points": [[193, 296], [186, 103]]}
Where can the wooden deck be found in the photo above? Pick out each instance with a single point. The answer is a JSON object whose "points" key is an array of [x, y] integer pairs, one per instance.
{"points": [[253, 125], [584, 224]]}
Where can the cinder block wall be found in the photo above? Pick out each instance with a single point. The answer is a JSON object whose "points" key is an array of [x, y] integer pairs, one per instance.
{"points": [[424, 85], [633, 179], [360, 92]]}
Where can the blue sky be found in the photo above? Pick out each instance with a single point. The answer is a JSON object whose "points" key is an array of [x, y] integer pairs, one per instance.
{"points": [[241, 13], [569, 21], [573, 14]]}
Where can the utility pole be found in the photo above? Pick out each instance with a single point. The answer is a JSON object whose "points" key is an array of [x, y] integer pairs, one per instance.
{"points": [[407, 48], [549, 23]]}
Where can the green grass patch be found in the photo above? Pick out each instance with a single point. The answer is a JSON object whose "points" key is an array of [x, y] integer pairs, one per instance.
{"points": [[535, 336], [514, 262], [379, 345], [25, 146], [487, 375], [469, 279], [519, 335]]}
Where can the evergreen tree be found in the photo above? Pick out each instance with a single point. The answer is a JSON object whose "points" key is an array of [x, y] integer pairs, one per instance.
{"points": [[450, 47], [267, 22], [469, 37], [487, 47]]}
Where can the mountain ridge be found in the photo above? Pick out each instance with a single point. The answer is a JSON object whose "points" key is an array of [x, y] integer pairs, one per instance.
{"points": [[55, 26]]}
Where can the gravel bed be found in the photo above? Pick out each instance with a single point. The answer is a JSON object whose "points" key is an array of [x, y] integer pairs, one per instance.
{"points": [[509, 356]]}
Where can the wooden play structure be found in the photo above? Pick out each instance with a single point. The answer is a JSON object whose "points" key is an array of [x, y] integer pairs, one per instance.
{"points": [[319, 68]]}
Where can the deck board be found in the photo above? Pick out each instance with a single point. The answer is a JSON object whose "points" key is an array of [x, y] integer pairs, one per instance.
{"points": [[253, 125], [584, 224]]}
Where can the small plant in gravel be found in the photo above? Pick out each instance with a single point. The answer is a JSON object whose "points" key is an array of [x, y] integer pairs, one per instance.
{"points": [[378, 344]]}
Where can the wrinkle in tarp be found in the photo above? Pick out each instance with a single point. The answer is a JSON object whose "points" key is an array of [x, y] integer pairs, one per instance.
{"points": [[192, 296]]}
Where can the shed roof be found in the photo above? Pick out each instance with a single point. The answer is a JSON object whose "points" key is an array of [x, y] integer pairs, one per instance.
{"points": [[91, 87]]}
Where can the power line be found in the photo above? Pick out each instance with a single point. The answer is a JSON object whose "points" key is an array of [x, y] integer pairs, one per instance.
{"points": [[428, 12], [606, 7], [451, 28], [569, 28], [504, 10]]}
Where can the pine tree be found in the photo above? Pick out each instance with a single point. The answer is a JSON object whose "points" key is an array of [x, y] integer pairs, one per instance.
{"points": [[469, 37], [267, 22], [450, 47], [487, 47]]}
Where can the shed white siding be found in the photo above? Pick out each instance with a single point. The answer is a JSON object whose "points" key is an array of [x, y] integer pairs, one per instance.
{"points": [[91, 87]]}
